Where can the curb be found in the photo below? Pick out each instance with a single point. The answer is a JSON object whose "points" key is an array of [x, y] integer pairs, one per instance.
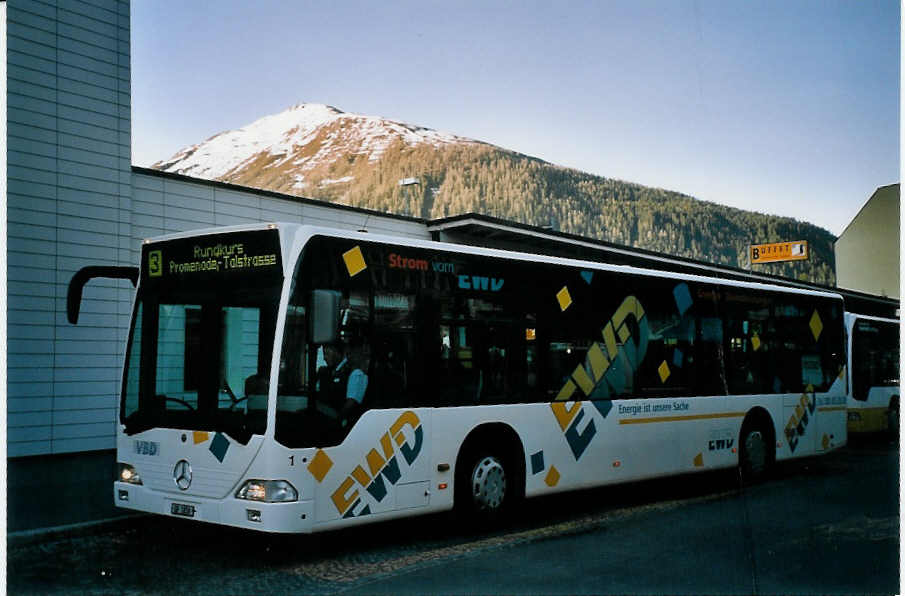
{"points": [[28, 537]]}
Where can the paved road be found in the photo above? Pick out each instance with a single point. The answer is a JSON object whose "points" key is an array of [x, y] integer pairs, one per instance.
{"points": [[826, 525]]}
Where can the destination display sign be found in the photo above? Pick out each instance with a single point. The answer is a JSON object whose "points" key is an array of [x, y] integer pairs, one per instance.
{"points": [[796, 250], [211, 257]]}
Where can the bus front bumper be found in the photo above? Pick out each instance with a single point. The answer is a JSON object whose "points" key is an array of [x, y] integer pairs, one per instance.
{"points": [[294, 517]]}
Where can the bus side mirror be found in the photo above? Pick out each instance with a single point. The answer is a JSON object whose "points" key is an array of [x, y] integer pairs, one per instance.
{"points": [[86, 274], [324, 316]]}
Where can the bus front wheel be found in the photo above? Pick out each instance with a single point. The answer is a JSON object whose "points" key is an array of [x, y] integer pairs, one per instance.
{"points": [[488, 484], [483, 484]]}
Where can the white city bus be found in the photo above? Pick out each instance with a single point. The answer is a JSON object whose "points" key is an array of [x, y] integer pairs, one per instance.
{"points": [[873, 362], [491, 376]]}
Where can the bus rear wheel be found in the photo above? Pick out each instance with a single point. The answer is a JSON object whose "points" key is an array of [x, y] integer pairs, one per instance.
{"points": [[754, 456]]}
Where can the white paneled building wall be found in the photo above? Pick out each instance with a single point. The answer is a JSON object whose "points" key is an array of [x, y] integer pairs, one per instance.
{"points": [[68, 202], [74, 200]]}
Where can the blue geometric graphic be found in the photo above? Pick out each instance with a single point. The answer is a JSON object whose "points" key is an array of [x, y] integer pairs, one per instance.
{"points": [[587, 276], [578, 442], [351, 511], [537, 462], [219, 446], [683, 297], [603, 406]]}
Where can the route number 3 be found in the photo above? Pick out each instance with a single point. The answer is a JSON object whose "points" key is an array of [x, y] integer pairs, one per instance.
{"points": [[155, 263]]}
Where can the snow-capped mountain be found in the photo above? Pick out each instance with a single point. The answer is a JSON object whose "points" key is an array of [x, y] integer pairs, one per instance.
{"points": [[289, 149], [319, 152]]}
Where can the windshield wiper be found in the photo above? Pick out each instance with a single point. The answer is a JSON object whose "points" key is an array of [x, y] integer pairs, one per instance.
{"points": [[149, 417]]}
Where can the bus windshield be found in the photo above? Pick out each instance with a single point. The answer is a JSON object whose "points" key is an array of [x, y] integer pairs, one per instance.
{"points": [[201, 343]]}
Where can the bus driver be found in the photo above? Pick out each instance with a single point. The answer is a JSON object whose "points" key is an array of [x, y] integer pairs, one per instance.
{"points": [[343, 381]]}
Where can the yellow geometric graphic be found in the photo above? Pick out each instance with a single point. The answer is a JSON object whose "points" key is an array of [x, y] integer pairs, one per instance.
{"points": [[609, 338], [664, 371], [564, 298], [564, 413], [552, 478], [816, 325], [359, 474], [826, 442], [699, 460], [566, 392], [755, 342], [580, 376], [320, 465], [599, 361], [355, 261], [200, 436]]}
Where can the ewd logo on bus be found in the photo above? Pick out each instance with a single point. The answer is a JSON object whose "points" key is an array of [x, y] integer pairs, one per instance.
{"points": [[382, 465]]}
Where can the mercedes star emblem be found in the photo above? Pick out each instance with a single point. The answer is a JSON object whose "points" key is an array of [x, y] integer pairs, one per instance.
{"points": [[182, 474]]}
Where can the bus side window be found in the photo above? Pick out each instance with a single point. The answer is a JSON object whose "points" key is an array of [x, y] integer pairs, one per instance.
{"points": [[709, 355], [749, 341], [501, 358], [392, 367], [805, 355], [668, 361], [569, 322], [457, 371], [795, 367], [468, 366]]}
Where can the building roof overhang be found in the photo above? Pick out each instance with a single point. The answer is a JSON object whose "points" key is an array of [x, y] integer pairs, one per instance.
{"points": [[474, 228]]}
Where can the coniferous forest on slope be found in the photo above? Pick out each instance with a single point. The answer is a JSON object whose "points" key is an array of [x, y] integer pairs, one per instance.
{"points": [[476, 177]]}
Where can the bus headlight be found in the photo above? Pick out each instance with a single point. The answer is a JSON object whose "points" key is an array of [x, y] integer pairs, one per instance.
{"points": [[127, 473], [268, 491]]}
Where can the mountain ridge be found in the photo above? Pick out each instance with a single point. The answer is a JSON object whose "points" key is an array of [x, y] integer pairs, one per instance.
{"points": [[318, 151]]}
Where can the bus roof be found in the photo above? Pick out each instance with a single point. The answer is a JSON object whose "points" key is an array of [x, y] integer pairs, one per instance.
{"points": [[294, 234], [851, 317], [304, 232]]}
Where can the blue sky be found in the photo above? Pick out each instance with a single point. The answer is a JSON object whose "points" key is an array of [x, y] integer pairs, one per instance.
{"points": [[785, 107]]}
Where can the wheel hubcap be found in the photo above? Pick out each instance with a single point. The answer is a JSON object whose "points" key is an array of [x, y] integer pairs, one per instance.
{"points": [[488, 484]]}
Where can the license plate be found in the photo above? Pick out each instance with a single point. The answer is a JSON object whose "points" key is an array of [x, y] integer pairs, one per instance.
{"points": [[183, 510]]}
